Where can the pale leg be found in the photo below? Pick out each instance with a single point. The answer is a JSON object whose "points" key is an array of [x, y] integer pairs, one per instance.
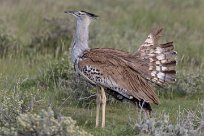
{"points": [[98, 104], [147, 114], [103, 102]]}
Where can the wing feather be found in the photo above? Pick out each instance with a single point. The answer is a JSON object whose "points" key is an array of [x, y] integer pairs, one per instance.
{"points": [[109, 68]]}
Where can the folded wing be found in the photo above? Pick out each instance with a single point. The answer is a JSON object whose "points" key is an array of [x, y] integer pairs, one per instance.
{"points": [[110, 69]]}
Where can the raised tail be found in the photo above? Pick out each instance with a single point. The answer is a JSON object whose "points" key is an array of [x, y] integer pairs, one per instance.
{"points": [[161, 59], [163, 64]]}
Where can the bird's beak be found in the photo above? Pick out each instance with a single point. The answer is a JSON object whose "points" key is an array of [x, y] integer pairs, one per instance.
{"points": [[70, 12]]}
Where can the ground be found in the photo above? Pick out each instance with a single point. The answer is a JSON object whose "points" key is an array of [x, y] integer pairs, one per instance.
{"points": [[35, 37]]}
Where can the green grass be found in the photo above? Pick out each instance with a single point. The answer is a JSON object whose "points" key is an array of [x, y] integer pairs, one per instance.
{"points": [[122, 25]]}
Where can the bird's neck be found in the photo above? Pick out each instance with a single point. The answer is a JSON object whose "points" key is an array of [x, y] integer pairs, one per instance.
{"points": [[80, 40]]}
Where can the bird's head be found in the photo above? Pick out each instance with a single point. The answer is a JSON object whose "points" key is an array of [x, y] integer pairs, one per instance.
{"points": [[82, 16]]}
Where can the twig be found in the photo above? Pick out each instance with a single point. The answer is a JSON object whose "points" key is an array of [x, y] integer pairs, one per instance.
{"points": [[85, 98]]}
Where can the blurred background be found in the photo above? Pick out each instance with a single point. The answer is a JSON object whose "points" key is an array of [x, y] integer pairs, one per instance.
{"points": [[35, 69]]}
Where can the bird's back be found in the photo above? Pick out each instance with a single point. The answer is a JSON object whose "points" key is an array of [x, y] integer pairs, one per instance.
{"points": [[128, 74], [118, 71]]}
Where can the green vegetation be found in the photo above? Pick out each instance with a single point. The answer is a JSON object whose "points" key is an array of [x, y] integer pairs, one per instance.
{"points": [[38, 85]]}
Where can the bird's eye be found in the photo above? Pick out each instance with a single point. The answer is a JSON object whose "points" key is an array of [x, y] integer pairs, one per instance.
{"points": [[80, 14]]}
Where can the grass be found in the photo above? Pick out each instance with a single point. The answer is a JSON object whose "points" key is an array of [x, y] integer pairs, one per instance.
{"points": [[42, 51], [118, 114]]}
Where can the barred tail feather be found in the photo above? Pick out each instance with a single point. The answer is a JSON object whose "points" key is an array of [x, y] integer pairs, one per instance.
{"points": [[162, 64], [161, 58]]}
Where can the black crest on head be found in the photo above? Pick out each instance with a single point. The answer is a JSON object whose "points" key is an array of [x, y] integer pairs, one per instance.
{"points": [[90, 14]]}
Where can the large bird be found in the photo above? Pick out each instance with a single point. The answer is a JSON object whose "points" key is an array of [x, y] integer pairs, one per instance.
{"points": [[123, 75]]}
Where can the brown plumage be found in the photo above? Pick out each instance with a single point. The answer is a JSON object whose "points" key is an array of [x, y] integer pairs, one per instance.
{"points": [[113, 69], [128, 74], [121, 74]]}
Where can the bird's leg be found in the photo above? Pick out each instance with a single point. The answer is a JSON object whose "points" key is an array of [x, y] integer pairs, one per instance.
{"points": [[103, 102], [98, 104], [147, 114]]}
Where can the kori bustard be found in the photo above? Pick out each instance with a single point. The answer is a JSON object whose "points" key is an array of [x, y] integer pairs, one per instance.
{"points": [[123, 75]]}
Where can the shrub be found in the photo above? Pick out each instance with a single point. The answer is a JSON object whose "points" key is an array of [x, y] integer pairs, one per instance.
{"points": [[188, 123], [191, 83], [11, 106], [14, 103], [45, 124], [186, 84], [17, 117]]}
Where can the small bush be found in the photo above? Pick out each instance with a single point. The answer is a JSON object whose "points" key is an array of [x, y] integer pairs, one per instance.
{"points": [[11, 105], [186, 84], [188, 123], [190, 84], [14, 103], [17, 117], [45, 124]]}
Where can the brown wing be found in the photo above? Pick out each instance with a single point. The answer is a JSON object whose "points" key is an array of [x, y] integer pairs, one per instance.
{"points": [[109, 68]]}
